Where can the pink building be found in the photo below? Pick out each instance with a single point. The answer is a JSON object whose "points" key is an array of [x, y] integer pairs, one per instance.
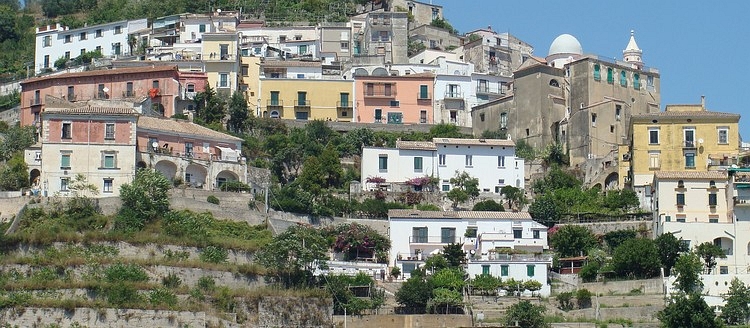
{"points": [[162, 89], [405, 99]]}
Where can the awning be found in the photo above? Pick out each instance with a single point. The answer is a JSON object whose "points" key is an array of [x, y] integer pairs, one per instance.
{"points": [[228, 154]]}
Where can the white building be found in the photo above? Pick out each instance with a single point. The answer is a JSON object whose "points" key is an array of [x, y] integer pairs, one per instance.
{"points": [[56, 41], [489, 238], [492, 161]]}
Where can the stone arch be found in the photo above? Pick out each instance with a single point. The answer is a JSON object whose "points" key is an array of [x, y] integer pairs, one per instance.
{"points": [[360, 72], [726, 243], [380, 72], [167, 168], [195, 175], [612, 181], [224, 177], [34, 178]]}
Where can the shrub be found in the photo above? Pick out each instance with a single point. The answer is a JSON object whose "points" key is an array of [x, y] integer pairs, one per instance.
{"points": [[583, 298], [171, 281], [186, 224], [212, 199], [564, 300], [121, 294], [207, 283], [395, 272], [176, 255], [213, 254], [162, 296], [589, 271], [125, 272]]}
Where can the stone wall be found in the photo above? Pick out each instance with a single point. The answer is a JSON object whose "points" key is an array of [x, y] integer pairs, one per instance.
{"points": [[601, 228], [9, 207], [646, 286], [405, 321], [86, 317]]}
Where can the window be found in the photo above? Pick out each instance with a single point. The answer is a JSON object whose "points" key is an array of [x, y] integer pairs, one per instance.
{"points": [[446, 187], [447, 235], [441, 159], [481, 117], [107, 185], [618, 109], [344, 100], [117, 48], [690, 160], [530, 270], [378, 115], [118, 29], [485, 269], [723, 269], [67, 55], [680, 184], [301, 115], [653, 136], [419, 234], [223, 80], [190, 88], [274, 98], [383, 163], [504, 120], [282, 38], [99, 49], [66, 130], [71, 93], [345, 46], [302, 49], [224, 51], [387, 89], [723, 135], [98, 33], [65, 161], [593, 119], [46, 61], [469, 160], [47, 41], [610, 75], [82, 36], [504, 270], [517, 233], [689, 137], [302, 98], [535, 234], [245, 70], [636, 81], [109, 131], [68, 39], [64, 184], [189, 149], [597, 72], [395, 103], [423, 116], [395, 118], [202, 28], [417, 164], [423, 93], [680, 199], [109, 161], [501, 161], [623, 79], [712, 199]]}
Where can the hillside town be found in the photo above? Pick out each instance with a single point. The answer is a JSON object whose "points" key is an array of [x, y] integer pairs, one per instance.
{"points": [[224, 169]]}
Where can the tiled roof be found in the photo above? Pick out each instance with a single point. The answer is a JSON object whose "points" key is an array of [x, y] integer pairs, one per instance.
{"points": [[181, 127], [472, 142], [415, 145], [458, 214], [690, 175], [91, 110], [116, 71], [687, 114]]}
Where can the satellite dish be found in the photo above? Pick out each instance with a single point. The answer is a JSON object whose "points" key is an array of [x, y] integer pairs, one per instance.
{"points": [[105, 89], [218, 10], [700, 141], [155, 144]]}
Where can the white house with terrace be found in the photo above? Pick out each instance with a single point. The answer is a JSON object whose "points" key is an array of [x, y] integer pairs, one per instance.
{"points": [[503, 244], [492, 161]]}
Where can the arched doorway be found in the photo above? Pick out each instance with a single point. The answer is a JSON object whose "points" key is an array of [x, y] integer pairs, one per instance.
{"points": [[726, 244], [34, 178], [224, 177], [167, 168], [195, 175], [612, 181]]}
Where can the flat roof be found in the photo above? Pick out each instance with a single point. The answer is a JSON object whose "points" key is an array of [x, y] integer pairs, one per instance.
{"points": [[399, 213]]}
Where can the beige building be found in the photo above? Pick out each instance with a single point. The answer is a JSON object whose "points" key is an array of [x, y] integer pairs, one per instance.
{"points": [[434, 37], [495, 53], [423, 13], [222, 61], [380, 38]]}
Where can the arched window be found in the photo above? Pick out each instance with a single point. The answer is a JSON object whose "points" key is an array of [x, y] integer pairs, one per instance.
{"points": [[623, 78], [712, 184], [610, 75], [597, 72], [680, 184], [553, 83], [636, 81]]}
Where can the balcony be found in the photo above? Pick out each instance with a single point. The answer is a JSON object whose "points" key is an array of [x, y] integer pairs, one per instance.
{"points": [[487, 90], [689, 144], [190, 95], [742, 201], [424, 96], [218, 57], [435, 240], [301, 105], [35, 102], [496, 257], [453, 95], [274, 104], [380, 91], [344, 105], [742, 178], [169, 152]]}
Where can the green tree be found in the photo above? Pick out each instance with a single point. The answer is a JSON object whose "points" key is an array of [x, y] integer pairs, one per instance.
{"points": [[443, 299], [515, 197], [443, 23], [525, 151], [238, 113], [709, 252], [435, 263], [449, 278], [527, 315], [455, 255], [546, 210], [14, 174], [636, 257], [209, 107], [572, 240], [81, 187], [556, 179], [464, 188], [670, 249], [687, 270], [7, 23], [486, 284], [624, 200], [15, 139], [617, 237], [415, 292], [488, 205], [688, 311], [554, 155], [445, 130], [736, 310], [144, 200], [292, 255]]}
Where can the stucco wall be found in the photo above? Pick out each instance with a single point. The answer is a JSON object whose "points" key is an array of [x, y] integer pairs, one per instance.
{"points": [[405, 321]]}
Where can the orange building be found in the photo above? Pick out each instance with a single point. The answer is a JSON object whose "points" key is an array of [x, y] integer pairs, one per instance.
{"points": [[405, 99], [163, 89]]}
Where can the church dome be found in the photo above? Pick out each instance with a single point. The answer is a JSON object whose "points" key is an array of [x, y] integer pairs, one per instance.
{"points": [[565, 44]]}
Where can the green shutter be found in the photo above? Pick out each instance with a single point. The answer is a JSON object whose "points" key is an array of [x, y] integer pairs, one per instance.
{"points": [[597, 72], [109, 161], [417, 163], [610, 75], [504, 270], [344, 100], [274, 98], [65, 161], [485, 269], [530, 270], [423, 92]]}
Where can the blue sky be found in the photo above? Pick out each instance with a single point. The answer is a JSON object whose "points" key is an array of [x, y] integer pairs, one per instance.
{"points": [[697, 46]]}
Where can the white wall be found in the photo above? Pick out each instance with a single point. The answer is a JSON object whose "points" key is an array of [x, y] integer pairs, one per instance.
{"points": [[484, 165], [517, 271]]}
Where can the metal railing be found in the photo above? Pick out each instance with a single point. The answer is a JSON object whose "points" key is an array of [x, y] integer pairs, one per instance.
{"points": [[302, 103], [487, 89], [169, 151], [344, 104], [275, 103], [453, 94], [434, 239]]}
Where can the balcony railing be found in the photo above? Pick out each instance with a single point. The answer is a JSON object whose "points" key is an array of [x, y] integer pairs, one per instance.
{"points": [[381, 91], [169, 151], [190, 95], [128, 94], [35, 102], [688, 144], [435, 239], [512, 257], [453, 94], [423, 96], [343, 104], [485, 89], [302, 104], [218, 57], [276, 103], [742, 201], [742, 178]]}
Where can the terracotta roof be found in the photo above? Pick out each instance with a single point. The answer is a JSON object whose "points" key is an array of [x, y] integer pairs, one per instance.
{"points": [[181, 127], [687, 114], [690, 175], [116, 71], [415, 145], [88, 110], [472, 142], [458, 214]]}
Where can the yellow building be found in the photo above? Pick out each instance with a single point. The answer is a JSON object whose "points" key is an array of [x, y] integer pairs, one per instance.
{"points": [[307, 99], [250, 82], [685, 138], [220, 54]]}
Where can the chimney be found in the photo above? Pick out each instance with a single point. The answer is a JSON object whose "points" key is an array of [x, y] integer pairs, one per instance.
{"points": [[703, 102]]}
